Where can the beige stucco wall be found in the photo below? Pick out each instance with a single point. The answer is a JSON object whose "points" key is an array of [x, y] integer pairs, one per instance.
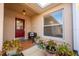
{"points": [[37, 23], [1, 24], [9, 23]]}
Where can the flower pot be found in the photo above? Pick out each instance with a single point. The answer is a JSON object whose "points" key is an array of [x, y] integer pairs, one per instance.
{"points": [[50, 54]]}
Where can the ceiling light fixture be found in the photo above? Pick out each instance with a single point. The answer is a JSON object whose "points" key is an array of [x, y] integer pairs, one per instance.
{"points": [[42, 5], [24, 12]]}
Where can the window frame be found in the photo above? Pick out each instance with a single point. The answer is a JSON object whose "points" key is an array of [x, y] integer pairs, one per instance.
{"points": [[53, 37]]}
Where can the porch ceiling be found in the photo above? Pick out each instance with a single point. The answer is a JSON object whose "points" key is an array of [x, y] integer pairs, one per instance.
{"points": [[38, 9], [30, 8]]}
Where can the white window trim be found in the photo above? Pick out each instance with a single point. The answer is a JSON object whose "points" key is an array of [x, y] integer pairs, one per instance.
{"points": [[52, 25], [55, 38]]}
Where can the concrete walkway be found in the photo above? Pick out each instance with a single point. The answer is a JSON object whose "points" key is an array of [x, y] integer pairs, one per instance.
{"points": [[33, 51]]}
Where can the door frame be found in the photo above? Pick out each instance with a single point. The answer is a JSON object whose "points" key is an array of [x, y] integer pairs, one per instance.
{"points": [[23, 26]]}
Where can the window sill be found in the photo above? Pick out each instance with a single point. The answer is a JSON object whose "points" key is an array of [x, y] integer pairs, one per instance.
{"points": [[54, 38]]}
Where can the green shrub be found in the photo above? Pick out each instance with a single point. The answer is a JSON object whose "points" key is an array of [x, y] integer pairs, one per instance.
{"points": [[63, 50], [9, 45]]}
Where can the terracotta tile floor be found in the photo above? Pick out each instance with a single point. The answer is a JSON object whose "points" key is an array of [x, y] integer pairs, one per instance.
{"points": [[27, 44]]}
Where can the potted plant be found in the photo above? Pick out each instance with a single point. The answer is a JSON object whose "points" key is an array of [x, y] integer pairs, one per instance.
{"points": [[63, 50], [37, 39], [11, 46], [15, 43], [6, 45], [41, 44], [51, 47]]}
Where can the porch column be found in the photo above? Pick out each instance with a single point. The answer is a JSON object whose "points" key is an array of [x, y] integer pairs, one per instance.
{"points": [[1, 24], [76, 27]]}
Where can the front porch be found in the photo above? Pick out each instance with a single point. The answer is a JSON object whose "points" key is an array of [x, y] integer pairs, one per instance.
{"points": [[53, 22]]}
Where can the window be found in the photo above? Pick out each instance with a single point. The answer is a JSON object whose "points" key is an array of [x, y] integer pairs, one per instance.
{"points": [[53, 24]]}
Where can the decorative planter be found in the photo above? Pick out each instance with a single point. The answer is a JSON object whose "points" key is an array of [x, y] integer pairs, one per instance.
{"points": [[50, 54], [11, 52]]}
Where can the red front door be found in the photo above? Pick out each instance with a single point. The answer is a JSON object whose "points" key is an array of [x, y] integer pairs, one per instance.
{"points": [[19, 27]]}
